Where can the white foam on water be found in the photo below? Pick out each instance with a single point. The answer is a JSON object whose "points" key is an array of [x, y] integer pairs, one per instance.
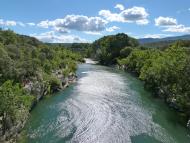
{"points": [[90, 61]]}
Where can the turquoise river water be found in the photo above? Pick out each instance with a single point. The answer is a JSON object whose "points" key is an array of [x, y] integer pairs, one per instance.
{"points": [[105, 105]]}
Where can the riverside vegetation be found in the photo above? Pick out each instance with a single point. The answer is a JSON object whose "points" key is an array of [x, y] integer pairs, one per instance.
{"points": [[29, 69], [165, 71]]}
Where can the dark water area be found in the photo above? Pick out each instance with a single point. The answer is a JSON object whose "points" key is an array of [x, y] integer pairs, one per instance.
{"points": [[104, 106]]}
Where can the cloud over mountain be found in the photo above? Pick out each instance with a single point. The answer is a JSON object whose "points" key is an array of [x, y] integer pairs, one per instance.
{"points": [[165, 21], [52, 37], [178, 29], [171, 25]]}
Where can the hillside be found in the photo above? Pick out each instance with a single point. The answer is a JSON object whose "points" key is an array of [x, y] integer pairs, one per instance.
{"points": [[168, 39]]}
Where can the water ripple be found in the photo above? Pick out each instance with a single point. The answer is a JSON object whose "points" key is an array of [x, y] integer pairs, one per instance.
{"points": [[101, 109]]}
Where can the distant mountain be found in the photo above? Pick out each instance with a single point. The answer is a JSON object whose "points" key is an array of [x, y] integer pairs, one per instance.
{"points": [[153, 40]]}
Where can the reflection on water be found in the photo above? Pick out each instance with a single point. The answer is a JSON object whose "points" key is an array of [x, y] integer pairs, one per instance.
{"points": [[104, 106]]}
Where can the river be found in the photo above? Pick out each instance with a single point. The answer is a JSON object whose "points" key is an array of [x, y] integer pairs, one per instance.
{"points": [[105, 105]]}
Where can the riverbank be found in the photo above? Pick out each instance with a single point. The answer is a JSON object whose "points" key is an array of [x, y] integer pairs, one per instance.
{"points": [[161, 93], [38, 90]]}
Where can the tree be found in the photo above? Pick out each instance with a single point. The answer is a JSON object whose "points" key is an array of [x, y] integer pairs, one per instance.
{"points": [[108, 48], [8, 102], [125, 52]]}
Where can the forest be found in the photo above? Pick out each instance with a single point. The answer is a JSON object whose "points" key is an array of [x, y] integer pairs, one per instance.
{"points": [[29, 69]]}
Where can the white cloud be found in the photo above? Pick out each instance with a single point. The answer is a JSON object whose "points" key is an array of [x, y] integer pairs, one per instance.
{"points": [[189, 9], [7, 23], [51, 37], [14, 23], [93, 33], [171, 25], [43, 24], [76, 22], [128, 33], [10, 23], [61, 30], [31, 24], [135, 14], [142, 22], [1, 22], [111, 29], [165, 21], [178, 29], [112, 17], [120, 7], [156, 35], [21, 24]]}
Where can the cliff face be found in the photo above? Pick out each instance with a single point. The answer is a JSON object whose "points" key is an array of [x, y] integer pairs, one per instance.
{"points": [[14, 129], [64, 80], [36, 88], [39, 89]]}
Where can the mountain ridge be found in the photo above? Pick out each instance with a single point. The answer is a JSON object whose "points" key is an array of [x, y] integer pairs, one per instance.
{"points": [[172, 38]]}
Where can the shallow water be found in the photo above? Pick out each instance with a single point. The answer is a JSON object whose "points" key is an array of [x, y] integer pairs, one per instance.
{"points": [[104, 106]]}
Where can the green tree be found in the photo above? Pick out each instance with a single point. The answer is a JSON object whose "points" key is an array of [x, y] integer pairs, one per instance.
{"points": [[8, 102]]}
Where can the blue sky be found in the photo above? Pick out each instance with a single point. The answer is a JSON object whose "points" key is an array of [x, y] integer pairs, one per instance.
{"points": [[87, 20]]}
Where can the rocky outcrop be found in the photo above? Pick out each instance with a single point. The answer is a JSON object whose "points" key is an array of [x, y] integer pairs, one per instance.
{"points": [[36, 88], [13, 129], [65, 80]]}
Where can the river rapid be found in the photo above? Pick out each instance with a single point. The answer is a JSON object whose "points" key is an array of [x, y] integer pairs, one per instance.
{"points": [[105, 105]]}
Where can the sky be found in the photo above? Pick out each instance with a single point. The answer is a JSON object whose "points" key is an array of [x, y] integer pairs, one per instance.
{"points": [[68, 21]]}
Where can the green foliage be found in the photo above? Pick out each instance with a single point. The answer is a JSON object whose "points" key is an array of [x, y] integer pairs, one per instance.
{"points": [[136, 59], [12, 100], [8, 99], [125, 52], [24, 57], [164, 70], [23, 60], [109, 48], [8, 37], [54, 83], [166, 73], [80, 49]]}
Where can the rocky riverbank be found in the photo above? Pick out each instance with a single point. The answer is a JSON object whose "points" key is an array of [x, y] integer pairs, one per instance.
{"points": [[38, 89]]}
